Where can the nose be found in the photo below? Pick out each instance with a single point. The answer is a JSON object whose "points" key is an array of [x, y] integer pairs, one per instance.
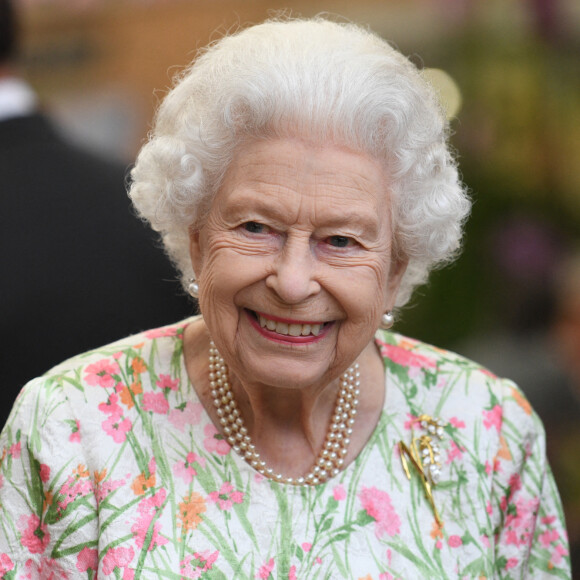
{"points": [[294, 274]]}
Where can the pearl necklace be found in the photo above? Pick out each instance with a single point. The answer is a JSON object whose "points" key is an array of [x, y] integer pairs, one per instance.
{"points": [[329, 461]]}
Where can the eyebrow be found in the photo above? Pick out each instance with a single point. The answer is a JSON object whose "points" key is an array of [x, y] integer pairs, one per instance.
{"points": [[366, 222]]}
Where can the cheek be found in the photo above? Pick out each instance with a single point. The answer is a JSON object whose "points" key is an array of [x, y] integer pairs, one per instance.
{"points": [[363, 293], [225, 273]]}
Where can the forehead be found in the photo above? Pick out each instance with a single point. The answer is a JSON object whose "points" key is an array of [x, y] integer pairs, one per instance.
{"points": [[292, 172]]}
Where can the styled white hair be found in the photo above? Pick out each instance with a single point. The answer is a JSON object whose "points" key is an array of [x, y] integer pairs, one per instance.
{"points": [[324, 81]]}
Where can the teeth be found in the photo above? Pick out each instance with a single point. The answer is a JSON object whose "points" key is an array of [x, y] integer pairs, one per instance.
{"points": [[290, 329], [281, 328], [295, 329]]}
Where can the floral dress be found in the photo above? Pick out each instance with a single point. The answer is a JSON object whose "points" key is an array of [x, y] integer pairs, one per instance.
{"points": [[111, 468]]}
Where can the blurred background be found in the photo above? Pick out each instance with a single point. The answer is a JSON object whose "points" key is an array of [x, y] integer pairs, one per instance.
{"points": [[512, 301]]}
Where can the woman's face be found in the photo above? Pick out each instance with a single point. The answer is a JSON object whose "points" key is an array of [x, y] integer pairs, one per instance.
{"points": [[294, 262]]}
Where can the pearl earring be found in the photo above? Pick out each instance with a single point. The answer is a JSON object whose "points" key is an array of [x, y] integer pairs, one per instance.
{"points": [[193, 288], [387, 320]]}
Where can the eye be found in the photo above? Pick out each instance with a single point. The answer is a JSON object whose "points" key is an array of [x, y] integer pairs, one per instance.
{"points": [[255, 228], [340, 241]]}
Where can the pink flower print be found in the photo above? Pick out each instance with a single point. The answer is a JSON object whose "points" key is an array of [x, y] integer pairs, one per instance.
{"points": [[155, 402], [117, 428], [186, 414], [6, 564], [488, 507], [410, 423], [439, 544], [493, 418], [558, 553], [161, 332], [520, 521], [87, 559], [495, 468], [265, 569], [119, 557], [203, 561], [185, 469], [148, 509], [111, 407], [511, 563], [44, 472], [515, 484], [115, 425], [378, 505], [484, 540], [548, 520], [292, 573], [75, 436], [455, 422], [385, 576], [503, 503], [104, 488], [548, 537], [46, 569], [75, 487], [214, 441], [339, 493], [405, 357], [166, 382], [101, 373], [226, 497], [15, 450], [306, 546], [187, 570], [455, 541], [207, 558], [34, 535], [454, 452]]}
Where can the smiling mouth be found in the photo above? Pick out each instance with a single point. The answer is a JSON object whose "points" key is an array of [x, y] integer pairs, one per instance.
{"points": [[288, 328]]}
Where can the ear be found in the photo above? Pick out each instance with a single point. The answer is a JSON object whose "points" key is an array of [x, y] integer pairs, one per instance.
{"points": [[396, 273], [195, 250]]}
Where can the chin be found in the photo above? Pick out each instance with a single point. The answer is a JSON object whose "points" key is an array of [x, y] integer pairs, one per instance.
{"points": [[284, 373]]}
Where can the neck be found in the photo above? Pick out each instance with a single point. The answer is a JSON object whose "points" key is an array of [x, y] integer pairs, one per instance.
{"points": [[329, 460], [289, 427], [301, 414]]}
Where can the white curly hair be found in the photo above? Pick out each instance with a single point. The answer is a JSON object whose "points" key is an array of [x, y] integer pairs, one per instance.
{"points": [[325, 81]]}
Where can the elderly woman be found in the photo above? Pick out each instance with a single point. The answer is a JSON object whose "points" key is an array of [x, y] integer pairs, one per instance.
{"points": [[300, 177]]}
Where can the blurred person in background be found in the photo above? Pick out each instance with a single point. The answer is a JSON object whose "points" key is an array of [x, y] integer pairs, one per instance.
{"points": [[77, 268], [301, 177]]}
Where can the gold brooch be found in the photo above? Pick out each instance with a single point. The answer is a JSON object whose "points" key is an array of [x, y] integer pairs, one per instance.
{"points": [[425, 456]]}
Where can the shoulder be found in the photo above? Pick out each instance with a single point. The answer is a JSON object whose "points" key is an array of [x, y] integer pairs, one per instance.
{"points": [[401, 352], [101, 372], [436, 380], [410, 352]]}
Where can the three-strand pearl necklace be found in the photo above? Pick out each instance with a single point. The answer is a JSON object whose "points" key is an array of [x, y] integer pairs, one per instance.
{"points": [[329, 461]]}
